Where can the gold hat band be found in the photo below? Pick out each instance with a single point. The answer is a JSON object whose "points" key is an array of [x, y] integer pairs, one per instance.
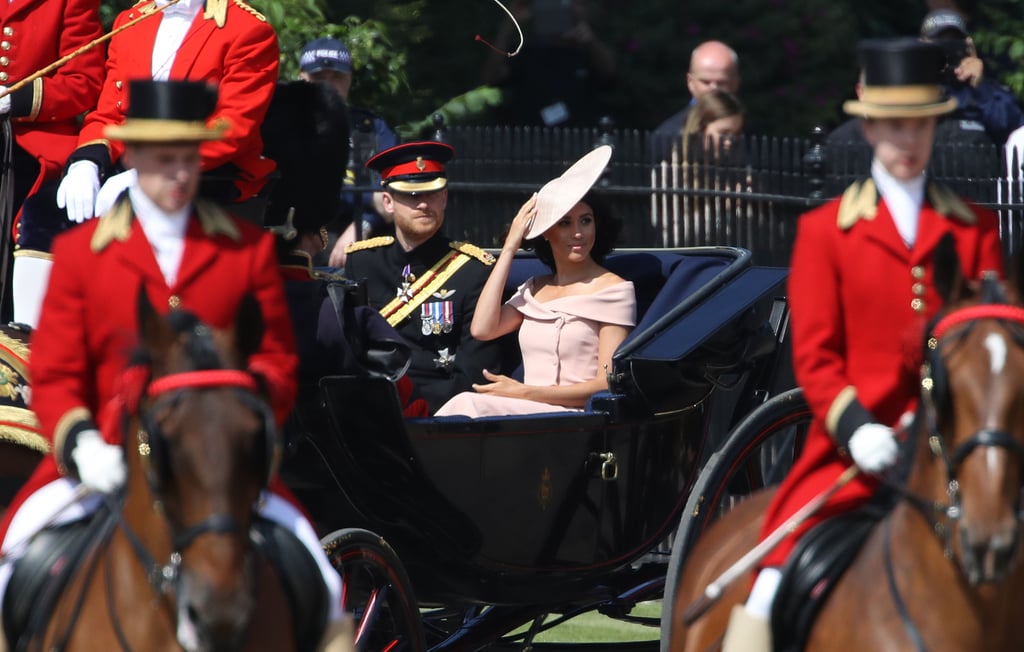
{"points": [[902, 95]]}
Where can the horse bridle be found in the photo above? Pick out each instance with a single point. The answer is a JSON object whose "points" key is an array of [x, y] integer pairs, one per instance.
{"points": [[167, 391], [935, 393]]}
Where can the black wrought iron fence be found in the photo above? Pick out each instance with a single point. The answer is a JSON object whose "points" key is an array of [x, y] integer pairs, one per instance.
{"points": [[749, 196]]}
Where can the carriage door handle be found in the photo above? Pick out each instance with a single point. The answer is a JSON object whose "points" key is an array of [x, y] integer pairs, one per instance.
{"points": [[609, 467]]}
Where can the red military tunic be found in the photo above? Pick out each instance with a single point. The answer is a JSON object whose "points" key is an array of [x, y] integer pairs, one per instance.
{"points": [[860, 302], [240, 57], [87, 329], [44, 113]]}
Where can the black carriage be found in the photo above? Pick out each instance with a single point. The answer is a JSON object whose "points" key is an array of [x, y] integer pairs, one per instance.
{"points": [[499, 522]]}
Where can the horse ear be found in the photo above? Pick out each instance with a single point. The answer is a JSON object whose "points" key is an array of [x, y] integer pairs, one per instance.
{"points": [[948, 276], [249, 326]]}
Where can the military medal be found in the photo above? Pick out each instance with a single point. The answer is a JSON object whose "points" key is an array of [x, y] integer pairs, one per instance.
{"points": [[405, 291], [437, 317], [443, 359]]}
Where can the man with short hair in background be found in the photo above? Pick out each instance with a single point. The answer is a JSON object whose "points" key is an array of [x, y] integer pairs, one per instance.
{"points": [[713, 65]]}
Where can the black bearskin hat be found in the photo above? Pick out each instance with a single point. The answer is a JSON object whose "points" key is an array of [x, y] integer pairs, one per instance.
{"points": [[306, 132]]}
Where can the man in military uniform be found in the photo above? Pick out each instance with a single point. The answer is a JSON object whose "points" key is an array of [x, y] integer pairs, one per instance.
{"points": [[422, 282]]}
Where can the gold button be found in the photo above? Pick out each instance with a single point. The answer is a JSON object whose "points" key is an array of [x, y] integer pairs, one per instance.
{"points": [[8, 30], [174, 301], [918, 289], [917, 305], [917, 272], [119, 83]]}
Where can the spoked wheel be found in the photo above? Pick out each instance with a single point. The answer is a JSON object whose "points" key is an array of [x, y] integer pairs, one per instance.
{"points": [[376, 591], [757, 453]]}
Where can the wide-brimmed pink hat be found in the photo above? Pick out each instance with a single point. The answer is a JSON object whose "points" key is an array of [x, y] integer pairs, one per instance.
{"points": [[559, 195]]}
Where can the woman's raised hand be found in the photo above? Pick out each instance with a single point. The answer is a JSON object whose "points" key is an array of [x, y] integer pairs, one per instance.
{"points": [[521, 223]]}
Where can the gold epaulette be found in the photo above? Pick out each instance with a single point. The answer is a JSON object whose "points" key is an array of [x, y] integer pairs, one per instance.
{"points": [[252, 11], [948, 203], [321, 275], [860, 201], [372, 243], [472, 250]]}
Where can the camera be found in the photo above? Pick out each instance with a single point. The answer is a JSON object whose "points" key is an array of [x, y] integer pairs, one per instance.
{"points": [[954, 51]]}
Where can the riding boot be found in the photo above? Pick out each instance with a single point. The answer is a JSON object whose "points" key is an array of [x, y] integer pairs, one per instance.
{"points": [[747, 632], [30, 278], [338, 637]]}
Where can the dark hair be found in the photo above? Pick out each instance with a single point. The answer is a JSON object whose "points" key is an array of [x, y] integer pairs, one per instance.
{"points": [[606, 233]]}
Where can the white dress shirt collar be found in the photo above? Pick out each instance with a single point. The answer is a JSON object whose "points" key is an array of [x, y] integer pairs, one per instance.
{"points": [[164, 231], [904, 199]]}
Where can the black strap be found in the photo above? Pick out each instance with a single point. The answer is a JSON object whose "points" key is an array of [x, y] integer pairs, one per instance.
{"points": [[901, 606]]}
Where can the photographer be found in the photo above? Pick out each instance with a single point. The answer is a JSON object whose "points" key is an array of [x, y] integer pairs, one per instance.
{"points": [[980, 100]]}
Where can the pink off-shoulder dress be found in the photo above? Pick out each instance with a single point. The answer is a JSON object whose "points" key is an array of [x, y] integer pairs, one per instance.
{"points": [[559, 343]]}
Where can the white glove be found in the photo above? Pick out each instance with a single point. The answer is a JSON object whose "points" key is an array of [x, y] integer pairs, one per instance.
{"points": [[873, 447], [5, 101], [112, 189], [100, 465], [77, 191]]}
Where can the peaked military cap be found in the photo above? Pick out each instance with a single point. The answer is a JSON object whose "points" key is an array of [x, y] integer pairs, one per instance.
{"points": [[413, 168]]}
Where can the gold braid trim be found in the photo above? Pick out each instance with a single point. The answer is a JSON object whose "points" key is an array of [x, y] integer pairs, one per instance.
{"points": [[860, 201], [37, 102], [20, 426], [19, 360], [215, 220], [372, 243], [252, 11], [946, 202], [60, 434], [842, 401], [472, 250], [396, 311]]}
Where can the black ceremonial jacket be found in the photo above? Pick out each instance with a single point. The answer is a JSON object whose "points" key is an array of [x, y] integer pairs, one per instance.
{"points": [[446, 360]]}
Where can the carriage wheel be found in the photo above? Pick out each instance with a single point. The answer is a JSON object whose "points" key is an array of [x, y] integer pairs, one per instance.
{"points": [[756, 453], [376, 591]]}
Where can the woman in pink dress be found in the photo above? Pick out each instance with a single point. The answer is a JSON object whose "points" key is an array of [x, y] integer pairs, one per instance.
{"points": [[570, 321]]}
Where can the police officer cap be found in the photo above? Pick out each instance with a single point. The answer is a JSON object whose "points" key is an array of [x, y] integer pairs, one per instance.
{"points": [[413, 168]]}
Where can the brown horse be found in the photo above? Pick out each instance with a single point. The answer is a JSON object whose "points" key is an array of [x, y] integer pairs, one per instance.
{"points": [[179, 570], [942, 571]]}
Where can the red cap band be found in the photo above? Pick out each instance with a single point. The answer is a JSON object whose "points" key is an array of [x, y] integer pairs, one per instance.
{"points": [[418, 166]]}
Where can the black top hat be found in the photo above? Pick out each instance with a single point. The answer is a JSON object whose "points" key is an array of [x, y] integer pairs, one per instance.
{"points": [[168, 111], [902, 78], [413, 168]]}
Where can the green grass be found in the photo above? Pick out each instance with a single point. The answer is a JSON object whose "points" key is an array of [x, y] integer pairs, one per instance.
{"points": [[594, 627]]}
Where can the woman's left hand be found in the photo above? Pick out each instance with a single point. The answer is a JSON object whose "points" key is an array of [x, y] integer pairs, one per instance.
{"points": [[521, 223], [501, 386]]}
